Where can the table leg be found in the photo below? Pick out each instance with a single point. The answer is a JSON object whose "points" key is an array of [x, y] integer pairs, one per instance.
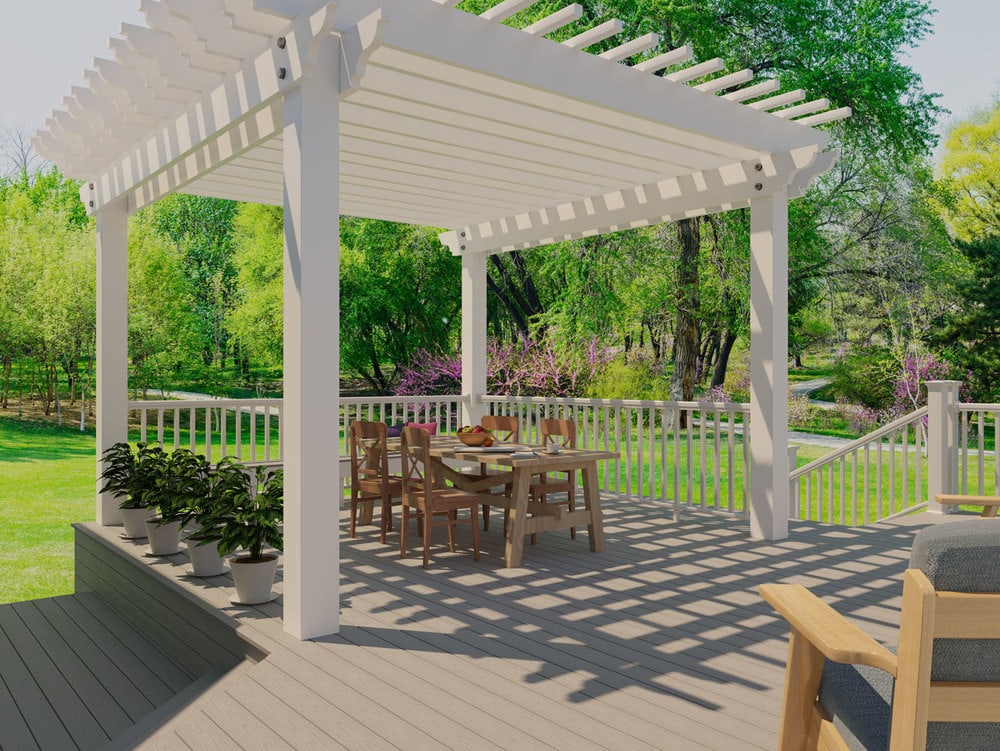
{"points": [[518, 514], [592, 502]]}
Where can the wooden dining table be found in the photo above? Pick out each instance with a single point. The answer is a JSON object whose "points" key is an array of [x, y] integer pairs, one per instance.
{"points": [[527, 516]]}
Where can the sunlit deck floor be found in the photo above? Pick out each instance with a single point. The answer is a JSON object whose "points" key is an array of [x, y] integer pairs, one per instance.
{"points": [[661, 642]]}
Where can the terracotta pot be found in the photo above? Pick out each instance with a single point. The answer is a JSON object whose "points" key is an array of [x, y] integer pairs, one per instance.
{"points": [[164, 539], [205, 558], [133, 519], [253, 578]]}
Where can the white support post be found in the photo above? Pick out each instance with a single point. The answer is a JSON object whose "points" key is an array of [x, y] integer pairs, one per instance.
{"points": [[942, 457], [112, 343], [311, 407], [474, 334], [769, 366]]}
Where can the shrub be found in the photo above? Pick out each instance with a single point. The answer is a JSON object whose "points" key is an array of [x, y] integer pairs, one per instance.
{"points": [[866, 376], [632, 376]]}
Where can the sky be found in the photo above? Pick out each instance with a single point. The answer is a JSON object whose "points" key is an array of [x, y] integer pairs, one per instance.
{"points": [[46, 44]]}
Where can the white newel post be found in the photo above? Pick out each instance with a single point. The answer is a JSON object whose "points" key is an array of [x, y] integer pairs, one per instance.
{"points": [[942, 396], [112, 342], [769, 366], [473, 335], [311, 406]]}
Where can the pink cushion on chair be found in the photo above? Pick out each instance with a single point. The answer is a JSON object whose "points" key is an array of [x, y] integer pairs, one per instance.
{"points": [[430, 427]]}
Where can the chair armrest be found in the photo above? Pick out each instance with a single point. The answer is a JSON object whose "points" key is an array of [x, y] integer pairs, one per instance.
{"points": [[831, 633]]}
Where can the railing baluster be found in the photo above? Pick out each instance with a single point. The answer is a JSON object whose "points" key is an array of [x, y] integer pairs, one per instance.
{"points": [[731, 441]]}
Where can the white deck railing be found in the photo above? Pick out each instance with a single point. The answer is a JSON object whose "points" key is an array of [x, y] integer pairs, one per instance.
{"points": [[877, 476], [248, 429], [689, 454], [978, 471], [703, 465]]}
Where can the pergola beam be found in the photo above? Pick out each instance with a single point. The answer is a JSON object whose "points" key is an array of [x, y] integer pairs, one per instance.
{"points": [[647, 204]]}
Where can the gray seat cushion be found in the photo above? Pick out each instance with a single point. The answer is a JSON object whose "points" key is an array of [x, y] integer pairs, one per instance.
{"points": [[957, 556]]}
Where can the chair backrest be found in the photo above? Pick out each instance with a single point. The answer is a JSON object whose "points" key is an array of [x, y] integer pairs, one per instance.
{"points": [[560, 431], [503, 427], [417, 473], [369, 454], [948, 684]]}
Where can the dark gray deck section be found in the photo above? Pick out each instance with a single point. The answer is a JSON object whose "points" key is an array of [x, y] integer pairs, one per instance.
{"points": [[659, 643], [68, 678]]}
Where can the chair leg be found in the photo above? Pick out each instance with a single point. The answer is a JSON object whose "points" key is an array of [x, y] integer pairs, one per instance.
{"points": [[386, 520], [354, 515], [486, 518], [475, 531], [402, 531], [427, 537], [452, 520], [572, 507]]}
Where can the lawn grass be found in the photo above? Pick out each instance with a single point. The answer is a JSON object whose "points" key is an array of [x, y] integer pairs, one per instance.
{"points": [[48, 483]]}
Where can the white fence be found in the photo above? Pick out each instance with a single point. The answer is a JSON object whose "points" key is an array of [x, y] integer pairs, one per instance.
{"points": [[875, 477], [977, 472], [689, 453], [248, 429]]}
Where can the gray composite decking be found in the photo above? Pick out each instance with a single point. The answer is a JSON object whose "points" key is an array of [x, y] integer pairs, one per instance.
{"points": [[75, 674], [661, 642]]}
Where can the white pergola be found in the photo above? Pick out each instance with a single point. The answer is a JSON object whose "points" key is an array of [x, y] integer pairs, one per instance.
{"points": [[413, 111]]}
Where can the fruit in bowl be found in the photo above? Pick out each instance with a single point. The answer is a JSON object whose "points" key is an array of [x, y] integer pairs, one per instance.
{"points": [[475, 435]]}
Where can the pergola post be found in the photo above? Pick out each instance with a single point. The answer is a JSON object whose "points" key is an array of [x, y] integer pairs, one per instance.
{"points": [[473, 335], [112, 343], [769, 366], [311, 407]]}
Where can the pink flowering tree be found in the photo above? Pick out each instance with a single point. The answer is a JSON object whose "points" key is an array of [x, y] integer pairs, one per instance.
{"points": [[519, 368]]}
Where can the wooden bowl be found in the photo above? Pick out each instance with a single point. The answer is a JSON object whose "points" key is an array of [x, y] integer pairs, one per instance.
{"points": [[473, 439]]}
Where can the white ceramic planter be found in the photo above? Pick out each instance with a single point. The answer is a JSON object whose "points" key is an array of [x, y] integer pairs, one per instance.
{"points": [[253, 579], [205, 559], [164, 539], [133, 519]]}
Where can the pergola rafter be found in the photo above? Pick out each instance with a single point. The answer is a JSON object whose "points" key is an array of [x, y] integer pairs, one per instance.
{"points": [[412, 111]]}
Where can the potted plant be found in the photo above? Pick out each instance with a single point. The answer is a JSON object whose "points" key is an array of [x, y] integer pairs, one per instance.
{"points": [[132, 476], [247, 515], [205, 490], [179, 488]]}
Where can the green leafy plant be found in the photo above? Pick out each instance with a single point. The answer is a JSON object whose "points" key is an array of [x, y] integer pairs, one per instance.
{"points": [[240, 516], [185, 487], [135, 477]]}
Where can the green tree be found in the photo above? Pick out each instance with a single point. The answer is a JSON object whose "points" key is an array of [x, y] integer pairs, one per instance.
{"points": [[970, 173], [969, 334], [400, 292], [255, 320], [163, 333]]}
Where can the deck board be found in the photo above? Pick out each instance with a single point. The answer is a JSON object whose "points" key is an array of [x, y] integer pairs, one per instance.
{"points": [[659, 642]]}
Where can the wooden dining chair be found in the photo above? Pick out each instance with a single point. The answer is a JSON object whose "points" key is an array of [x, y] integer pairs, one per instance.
{"points": [[370, 478], [562, 432], [505, 428], [940, 690], [422, 495]]}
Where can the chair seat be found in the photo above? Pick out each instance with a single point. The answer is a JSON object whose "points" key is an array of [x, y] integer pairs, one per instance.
{"points": [[394, 484], [449, 499]]}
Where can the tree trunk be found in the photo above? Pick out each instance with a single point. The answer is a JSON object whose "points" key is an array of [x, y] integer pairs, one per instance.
{"points": [[719, 375], [688, 307]]}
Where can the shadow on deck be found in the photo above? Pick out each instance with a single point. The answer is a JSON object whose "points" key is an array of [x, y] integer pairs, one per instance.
{"points": [[660, 642]]}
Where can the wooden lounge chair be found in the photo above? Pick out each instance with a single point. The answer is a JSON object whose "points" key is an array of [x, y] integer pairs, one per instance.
{"points": [[941, 690]]}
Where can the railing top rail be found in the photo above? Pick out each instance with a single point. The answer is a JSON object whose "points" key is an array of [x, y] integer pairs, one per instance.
{"points": [[718, 406], [875, 435], [976, 407], [186, 403]]}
